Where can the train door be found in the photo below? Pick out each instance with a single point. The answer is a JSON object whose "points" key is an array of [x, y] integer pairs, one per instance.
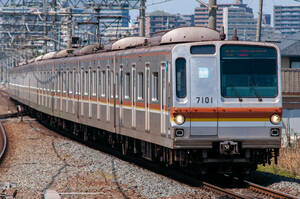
{"points": [[121, 96], [133, 86], [203, 95], [163, 95], [147, 97]]}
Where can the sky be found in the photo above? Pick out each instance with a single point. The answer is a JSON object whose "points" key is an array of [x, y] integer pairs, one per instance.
{"points": [[188, 6]]}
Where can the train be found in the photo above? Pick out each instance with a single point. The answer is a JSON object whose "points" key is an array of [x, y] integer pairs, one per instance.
{"points": [[185, 98]]}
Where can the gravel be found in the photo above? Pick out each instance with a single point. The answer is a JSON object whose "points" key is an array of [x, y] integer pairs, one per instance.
{"points": [[38, 159], [279, 183]]}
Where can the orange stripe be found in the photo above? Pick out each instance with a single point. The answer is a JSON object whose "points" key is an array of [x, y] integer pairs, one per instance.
{"points": [[127, 103], [154, 106]]}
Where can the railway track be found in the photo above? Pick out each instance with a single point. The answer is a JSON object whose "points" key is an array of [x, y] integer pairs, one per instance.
{"points": [[252, 189], [268, 192], [3, 141]]}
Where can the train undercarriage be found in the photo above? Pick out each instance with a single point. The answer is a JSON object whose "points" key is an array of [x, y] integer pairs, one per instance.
{"points": [[197, 161]]}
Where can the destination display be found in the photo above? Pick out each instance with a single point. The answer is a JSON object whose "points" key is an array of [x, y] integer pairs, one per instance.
{"points": [[247, 51]]}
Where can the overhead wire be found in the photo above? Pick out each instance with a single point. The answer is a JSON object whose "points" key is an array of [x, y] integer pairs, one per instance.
{"points": [[157, 3]]}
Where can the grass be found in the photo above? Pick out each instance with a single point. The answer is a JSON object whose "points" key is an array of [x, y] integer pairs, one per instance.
{"points": [[288, 164]]}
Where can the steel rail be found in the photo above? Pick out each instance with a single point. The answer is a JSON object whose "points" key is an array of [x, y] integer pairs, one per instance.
{"points": [[3, 141], [222, 191], [268, 191]]}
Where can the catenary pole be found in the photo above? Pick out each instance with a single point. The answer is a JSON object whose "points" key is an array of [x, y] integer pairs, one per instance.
{"points": [[142, 20], [212, 14], [258, 28]]}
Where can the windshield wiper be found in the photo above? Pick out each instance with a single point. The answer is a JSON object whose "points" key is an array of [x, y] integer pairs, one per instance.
{"points": [[235, 91], [252, 84]]}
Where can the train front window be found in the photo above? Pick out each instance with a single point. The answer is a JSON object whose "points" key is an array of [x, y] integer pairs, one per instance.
{"points": [[248, 71]]}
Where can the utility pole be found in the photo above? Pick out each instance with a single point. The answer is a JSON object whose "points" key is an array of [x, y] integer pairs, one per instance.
{"points": [[70, 27], [212, 12], [45, 26], [54, 24], [258, 27], [142, 19]]}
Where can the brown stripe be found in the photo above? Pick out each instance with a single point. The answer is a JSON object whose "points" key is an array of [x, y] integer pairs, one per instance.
{"points": [[226, 112]]}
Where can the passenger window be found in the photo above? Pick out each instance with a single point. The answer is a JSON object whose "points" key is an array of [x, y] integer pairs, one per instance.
{"points": [[58, 81], [103, 80], [155, 86], [86, 82], [94, 89], [108, 82], [127, 85], [117, 85], [70, 82], [64, 81], [140, 86], [180, 77], [75, 87], [111, 84], [99, 83]]}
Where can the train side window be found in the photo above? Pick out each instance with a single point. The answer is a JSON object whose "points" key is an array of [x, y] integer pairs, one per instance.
{"points": [[99, 82], [75, 83], [44, 81], [86, 82], [180, 70], [108, 82], [140, 85], [46, 78], [155, 86], [103, 80], [82, 82], [71, 82], [64, 81], [127, 86], [67, 81], [117, 85], [78, 82], [58, 81], [111, 84], [94, 84]]}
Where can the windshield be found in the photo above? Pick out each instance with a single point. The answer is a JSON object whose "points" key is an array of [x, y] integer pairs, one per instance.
{"points": [[248, 71]]}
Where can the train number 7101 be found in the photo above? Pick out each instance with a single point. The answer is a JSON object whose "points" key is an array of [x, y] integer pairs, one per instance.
{"points": [[204, 100]]}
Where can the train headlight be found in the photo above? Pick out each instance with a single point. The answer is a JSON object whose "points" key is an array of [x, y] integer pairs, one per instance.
{"points": [[179, 119], [275, 119]]}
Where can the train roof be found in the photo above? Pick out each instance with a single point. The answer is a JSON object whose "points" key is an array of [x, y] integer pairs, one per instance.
{"points": [[178, 35]]}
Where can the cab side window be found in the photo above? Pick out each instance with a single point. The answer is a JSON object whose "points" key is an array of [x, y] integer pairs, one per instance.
{"points": [[180, 70]]}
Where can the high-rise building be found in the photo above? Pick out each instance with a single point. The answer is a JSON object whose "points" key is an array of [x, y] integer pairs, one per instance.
{"points": [[287, 19], [236, 16], [201, 13], [159, 21], [266, 19]]}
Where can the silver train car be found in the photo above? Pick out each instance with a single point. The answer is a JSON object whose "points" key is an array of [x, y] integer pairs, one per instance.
{"points": [[184, 98]]}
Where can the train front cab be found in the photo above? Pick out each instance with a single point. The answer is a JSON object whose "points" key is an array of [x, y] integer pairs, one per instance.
{"points": [[227, 101]]}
